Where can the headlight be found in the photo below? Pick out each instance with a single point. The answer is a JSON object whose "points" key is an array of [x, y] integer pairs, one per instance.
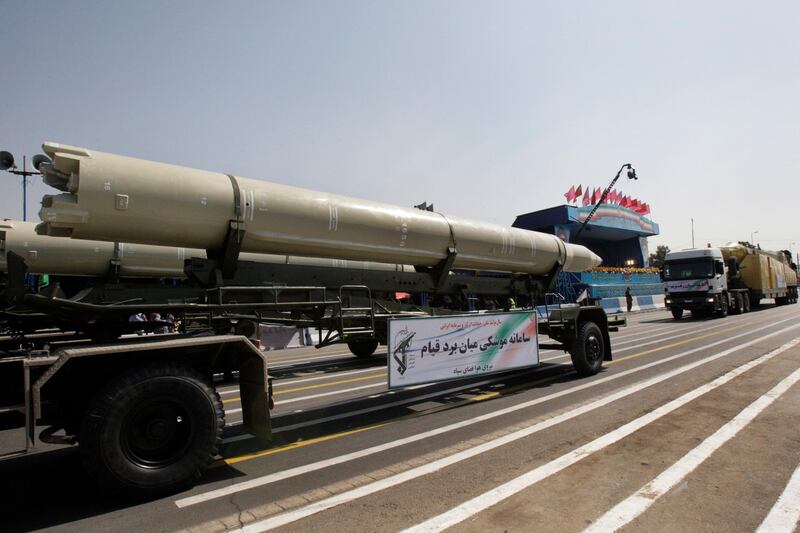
{"points": [[667, 301], [710, 300]]}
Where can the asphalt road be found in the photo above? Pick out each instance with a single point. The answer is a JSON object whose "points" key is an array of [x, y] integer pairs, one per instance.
{"points": [[692, 427]]}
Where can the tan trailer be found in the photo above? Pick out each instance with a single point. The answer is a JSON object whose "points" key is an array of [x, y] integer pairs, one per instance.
{"points": [[764, 273]]}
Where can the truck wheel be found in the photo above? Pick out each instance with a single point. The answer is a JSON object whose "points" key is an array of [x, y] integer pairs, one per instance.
{"points": [[746, 302], [363, 348], [723, 307], [677, 313], [588, 349], [154, 429], [737, 306]]}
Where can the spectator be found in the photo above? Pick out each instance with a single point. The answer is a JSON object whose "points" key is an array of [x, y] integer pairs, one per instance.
{"points": [[138, 317]]}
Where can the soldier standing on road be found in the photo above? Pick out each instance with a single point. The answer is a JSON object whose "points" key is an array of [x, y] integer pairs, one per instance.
{"points": [[629, 298]]}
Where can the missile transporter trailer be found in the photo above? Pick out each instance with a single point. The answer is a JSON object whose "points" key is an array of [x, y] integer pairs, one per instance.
{"points": [[144, 409]]}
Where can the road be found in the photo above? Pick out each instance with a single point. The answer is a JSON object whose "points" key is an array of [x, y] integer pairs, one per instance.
{"points": [[693, 426]]}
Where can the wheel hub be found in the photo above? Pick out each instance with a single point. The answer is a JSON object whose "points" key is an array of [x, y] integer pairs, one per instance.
{"points": [[157, 433]]}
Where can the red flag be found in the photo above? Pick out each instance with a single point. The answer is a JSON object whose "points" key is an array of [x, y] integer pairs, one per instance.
{"points": [[578, 192], [612, 197], [634, 204], [570, 194], [586, 199], [624, 201], [597, 194], [645, 209]]}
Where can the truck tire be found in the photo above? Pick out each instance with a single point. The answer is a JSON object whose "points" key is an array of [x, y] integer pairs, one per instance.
{"points": [[677, 313], [587, 350], [746, 302], [737, 306], [363, 348], [723, 307], [152, 430]]}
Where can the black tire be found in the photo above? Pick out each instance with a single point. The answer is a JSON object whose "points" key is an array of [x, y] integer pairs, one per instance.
{"points": [[737, 308], [723, 307], [363, 348], [588, 350], [677, 313], [152, 430], [746, 302]]}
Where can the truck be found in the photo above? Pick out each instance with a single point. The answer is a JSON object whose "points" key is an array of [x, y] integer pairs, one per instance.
{"points": [[728, 279], [143, 409]]}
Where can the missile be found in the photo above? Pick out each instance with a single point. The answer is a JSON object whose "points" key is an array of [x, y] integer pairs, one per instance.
{"points": [[109, 197], [73, 257]]}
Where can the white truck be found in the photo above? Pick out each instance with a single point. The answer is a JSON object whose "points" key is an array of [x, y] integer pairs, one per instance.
{"points": [[732, 278]]}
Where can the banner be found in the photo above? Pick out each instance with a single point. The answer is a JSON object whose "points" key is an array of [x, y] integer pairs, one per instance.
{"points": [[429, 349], [688, 285]]}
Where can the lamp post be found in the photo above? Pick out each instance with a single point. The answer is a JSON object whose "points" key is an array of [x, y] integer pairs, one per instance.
{"points": [[7, 164], [752, 237]]}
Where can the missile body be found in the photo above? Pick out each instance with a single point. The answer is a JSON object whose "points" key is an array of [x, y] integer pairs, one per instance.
{"points": [[109, 197], [73, 257]]}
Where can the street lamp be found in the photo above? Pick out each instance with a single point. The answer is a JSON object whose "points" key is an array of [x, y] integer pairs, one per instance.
{"points": [[7, 164], [752, 237]]}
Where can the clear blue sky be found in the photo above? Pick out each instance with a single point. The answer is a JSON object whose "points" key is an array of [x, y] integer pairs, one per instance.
{"points": [[487, 109]]}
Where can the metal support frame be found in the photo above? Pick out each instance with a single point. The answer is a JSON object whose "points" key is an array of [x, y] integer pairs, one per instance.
{"points": [[441, 270], [631, 175]]}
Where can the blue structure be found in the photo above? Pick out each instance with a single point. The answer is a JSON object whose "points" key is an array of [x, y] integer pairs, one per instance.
{"points": [[615, 233]]}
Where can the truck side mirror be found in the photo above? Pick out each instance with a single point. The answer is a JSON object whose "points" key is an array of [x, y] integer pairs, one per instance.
{"points": [[733, 268], [720, 267]]}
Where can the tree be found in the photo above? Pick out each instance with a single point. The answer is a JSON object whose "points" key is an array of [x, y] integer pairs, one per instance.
{"points": [[657, 259]]}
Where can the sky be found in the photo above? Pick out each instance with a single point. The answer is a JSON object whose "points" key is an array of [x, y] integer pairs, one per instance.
{"points": [[486, 109]]}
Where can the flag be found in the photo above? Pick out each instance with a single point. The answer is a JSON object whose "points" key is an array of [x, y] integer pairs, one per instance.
{"points": [[597, 194], [586, 199], [645, 209], [634, 204], [578, 192], [583, 296], [612, 197], [570, 194], [624, 201]]}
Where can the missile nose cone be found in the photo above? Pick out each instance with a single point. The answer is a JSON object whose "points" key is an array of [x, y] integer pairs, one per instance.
{"points": [[595, 259]]}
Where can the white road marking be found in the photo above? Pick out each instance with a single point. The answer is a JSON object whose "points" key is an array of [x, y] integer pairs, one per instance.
{"points": [[488, 499], [320, 395], [785, 514], [636, 504], [271, 478]]}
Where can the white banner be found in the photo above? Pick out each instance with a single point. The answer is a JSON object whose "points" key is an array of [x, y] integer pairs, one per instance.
{"points": [[688, 285], [428, 349]]}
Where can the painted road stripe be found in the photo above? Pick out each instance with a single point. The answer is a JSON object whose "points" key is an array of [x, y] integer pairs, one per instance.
{"points": [[282, 383], [636, 504], [493, 497], [785, 514], [271, 478], [320, 395]]}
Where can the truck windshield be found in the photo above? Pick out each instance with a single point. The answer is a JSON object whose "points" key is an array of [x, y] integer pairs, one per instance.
{"points": [[689, 269]]}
